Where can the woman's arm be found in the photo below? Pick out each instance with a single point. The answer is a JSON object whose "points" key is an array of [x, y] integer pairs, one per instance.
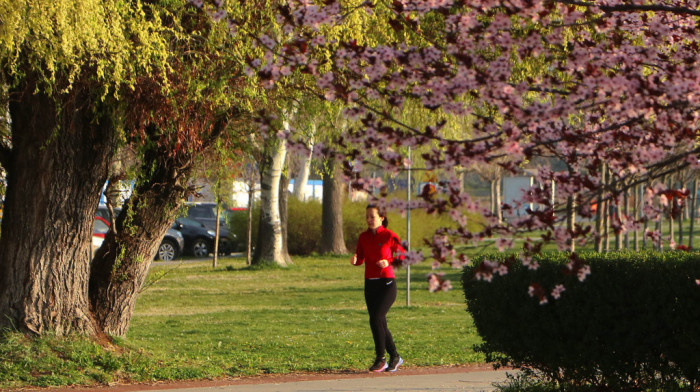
{"points": [[359, 257]]}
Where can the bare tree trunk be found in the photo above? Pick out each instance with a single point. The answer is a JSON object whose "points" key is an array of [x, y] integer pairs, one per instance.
{"points": [[283, 200], [637, 206], [693, 211], [618, 217], [571, 221], [657, 226], [499, 211], [332, 237], [646, 221], [251, 199], [627, 214], [303, 177], [269, 246], [215, 259], [682, 216], [493, 197], [599, 213], [52, 192]]}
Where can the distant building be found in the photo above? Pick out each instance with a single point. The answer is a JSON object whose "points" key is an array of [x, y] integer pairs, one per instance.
{"points": [[513, 189], [312, 191]]}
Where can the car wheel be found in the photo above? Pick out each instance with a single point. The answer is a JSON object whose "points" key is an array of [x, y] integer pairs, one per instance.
{"points": [[200, 248], [224, 246], [167, 251]]}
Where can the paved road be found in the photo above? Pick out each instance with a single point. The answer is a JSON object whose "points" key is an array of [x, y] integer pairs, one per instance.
{"points": [[471, 381], [467, 378]]}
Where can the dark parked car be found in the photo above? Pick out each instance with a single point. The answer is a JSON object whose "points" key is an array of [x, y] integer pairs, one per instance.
{"points": [[171, 246], [199, 241], [205, 213]]}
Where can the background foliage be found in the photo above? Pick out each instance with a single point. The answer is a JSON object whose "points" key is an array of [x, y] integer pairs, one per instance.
{"points": [[304, 227]]}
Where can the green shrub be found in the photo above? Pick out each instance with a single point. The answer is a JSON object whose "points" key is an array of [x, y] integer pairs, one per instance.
{"points": [[238, 225], [634, 322], [303, 226]]}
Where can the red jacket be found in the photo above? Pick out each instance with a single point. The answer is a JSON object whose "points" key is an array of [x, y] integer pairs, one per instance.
{"points": [[371, 248]]}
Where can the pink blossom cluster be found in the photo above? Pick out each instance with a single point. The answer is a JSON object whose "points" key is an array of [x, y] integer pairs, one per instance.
{"points": [[437, 282], [602, 84], [487, 269]]}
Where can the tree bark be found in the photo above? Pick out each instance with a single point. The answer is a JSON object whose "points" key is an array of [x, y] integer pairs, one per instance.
{"points": [[497, 204], [284, 202], [121, 264], [53, 189], [251, 200], [637, 207], [492, 203], [693, 212], [269, 244], [599, 213], [332, 237], [303, 177], [627, 214], [571, 221]]}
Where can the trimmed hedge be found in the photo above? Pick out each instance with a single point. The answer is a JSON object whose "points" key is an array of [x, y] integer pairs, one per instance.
{"points": [[633, 323]]}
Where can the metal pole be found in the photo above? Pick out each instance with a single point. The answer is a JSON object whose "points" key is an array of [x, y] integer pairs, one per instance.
{"points": [[408, 230]]}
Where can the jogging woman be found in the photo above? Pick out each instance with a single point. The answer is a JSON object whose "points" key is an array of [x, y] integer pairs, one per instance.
{"points": [[378, 248]]}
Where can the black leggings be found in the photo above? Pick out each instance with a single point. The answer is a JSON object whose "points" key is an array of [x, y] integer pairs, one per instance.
{"points": [[380, 294]]}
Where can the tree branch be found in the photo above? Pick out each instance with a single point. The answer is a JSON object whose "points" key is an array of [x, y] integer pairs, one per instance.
{"points": [[634, 7]]}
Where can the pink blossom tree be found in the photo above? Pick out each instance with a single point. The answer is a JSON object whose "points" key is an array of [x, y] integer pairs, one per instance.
{"points": [[595, 84]]}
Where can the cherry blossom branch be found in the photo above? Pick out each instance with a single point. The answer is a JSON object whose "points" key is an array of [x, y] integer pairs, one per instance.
{"points": [[633, 7]]}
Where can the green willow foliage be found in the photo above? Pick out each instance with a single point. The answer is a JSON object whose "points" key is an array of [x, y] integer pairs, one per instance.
{"points": [[54, 40]]}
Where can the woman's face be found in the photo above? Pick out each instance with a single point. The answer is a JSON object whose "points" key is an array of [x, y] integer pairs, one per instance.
{"points": [[373, 218]]}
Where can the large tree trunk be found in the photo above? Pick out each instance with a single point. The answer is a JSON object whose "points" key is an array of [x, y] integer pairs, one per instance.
{"points": [[269, 244], [303, 177], [284, 215], [53, 189], [332, 238], [121, 264]]}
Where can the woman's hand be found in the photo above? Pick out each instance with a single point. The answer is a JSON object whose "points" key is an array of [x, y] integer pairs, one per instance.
{"points": [[353, 261], [383, 263]]}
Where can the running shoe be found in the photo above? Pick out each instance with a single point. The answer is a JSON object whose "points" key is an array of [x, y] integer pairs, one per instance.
{"points": [[379, 365], [394, 363]]}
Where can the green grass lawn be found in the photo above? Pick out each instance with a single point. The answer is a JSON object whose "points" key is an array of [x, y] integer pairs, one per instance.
{"points": [[197, 322], [308, 317]]}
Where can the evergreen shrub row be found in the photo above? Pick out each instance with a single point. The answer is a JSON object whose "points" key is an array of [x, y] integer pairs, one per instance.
{"points": [[633, 324]]}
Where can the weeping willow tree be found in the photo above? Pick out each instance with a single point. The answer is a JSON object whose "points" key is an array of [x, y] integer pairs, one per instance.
{"points": [[63, 64], [83, 78]]}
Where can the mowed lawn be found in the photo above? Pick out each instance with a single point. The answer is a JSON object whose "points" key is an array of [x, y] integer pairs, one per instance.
{"points": [[309, 317]]}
